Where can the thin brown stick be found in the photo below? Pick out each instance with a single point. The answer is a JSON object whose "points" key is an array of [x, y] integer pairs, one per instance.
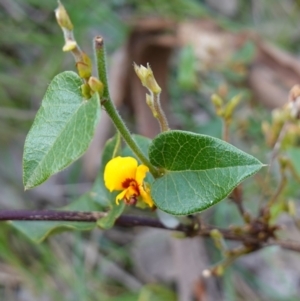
{"points": [[85, 216], [50, 215], [132, 221]]}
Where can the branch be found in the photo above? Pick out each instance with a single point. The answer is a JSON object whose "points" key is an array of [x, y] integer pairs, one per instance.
{"points": [[50, 215], [85, 216], [132, 221]]}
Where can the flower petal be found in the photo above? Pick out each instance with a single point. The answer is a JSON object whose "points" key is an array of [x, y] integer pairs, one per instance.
{"points": [[145, 194], [118, 170], [141, 174], [121, 196], [127, 194]]}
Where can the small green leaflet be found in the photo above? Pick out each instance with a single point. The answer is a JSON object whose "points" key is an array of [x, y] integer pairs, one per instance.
{"points": [[199, 171], [62, 130]]}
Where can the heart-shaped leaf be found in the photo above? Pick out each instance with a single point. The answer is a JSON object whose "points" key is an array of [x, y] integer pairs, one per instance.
{"points": [[199, 171], [62, 130]]}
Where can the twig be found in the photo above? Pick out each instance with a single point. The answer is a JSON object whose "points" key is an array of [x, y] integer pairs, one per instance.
{"points": [[50, 215], [132, 221], [249, 240], [159, 113], [85, 216]]}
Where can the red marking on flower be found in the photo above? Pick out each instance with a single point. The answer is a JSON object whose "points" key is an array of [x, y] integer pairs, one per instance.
{"points": [[127, 182], [133, 184]]}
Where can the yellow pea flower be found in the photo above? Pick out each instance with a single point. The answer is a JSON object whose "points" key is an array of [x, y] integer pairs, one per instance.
{"points": [[123, 173]]}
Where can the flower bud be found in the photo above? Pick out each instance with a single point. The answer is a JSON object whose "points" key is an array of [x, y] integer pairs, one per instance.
{"points": [[62, 17], [218, 104], [96, 85], [85, 91], [84, 66], [231, 106], [147, 78], [217, 101], [83, 70]]}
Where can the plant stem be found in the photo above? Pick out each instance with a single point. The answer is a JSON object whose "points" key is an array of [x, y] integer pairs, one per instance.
{"points": [[160, 114], [50, 215], [112, 111], [226, 130], [86, 216], [101, 65], [132, 221], [65, 24]]}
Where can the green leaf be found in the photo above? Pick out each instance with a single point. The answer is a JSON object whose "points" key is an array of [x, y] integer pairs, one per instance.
{"points": [[199, 171], [62, 130], [37, 231]]}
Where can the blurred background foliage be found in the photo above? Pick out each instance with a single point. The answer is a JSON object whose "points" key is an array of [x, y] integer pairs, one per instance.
{"points": [[101, 265]]}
